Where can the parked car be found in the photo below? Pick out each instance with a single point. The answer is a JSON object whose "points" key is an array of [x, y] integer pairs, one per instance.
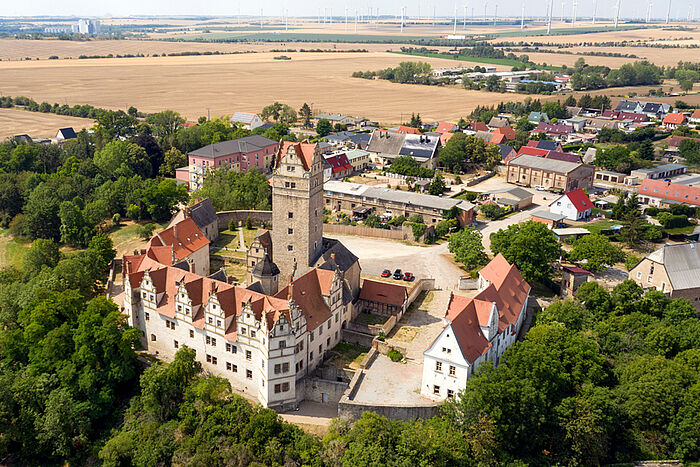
{"points": [[397, 275], [386, 273], [408, 276], [540, 188]]}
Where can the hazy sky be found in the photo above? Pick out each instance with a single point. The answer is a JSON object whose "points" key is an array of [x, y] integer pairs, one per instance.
{"points": [[629, 8]]}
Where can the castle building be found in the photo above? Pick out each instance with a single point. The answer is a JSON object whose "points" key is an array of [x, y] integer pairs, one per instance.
{"points": [[267, 337]]}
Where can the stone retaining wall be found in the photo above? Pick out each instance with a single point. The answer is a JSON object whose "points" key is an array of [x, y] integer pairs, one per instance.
{"points": [[257, 217]]}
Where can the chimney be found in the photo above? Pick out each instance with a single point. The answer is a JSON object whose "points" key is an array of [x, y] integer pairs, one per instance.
{"points": [[175, 230], [212, 288], [333, 257], [190, 263]]}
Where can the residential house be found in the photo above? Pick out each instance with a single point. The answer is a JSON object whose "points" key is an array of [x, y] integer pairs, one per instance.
{"points": [[65, 133], [538, 117], [339, 164], [577, 123], [445, 137], [476, 126], [498, 122], [349, 139], [574, 205], [359, 159], [476, 330], [672, 269], [386, 146], [629, 106], [663, 194], [633, 117], [446, 127], [408, 130], [507, 133], [383, 298], [695, 117], [507, 152], [552, 174], [338, 119], [656, 109], [247, 120], [594, 125], [347, 196], [545, 144], [23, 138], [675, 141], [556, 130], [516, 198], [674, 120]]}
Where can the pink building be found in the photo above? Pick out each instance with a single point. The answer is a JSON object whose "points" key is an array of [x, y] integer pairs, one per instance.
{"points": [[241, 154]]}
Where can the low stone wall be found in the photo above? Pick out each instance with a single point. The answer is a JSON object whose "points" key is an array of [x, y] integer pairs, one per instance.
{"points": [[467, 283], [390, 234], [258, 218], [360, 338], [421, 285], [384, 348], [323, 390], [350, 410]]}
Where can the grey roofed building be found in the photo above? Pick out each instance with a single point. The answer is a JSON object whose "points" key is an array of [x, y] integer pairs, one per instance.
{"points": [[515, 192], [265, 267], [541, 163], [498, 122], [655, 108], [628, 106], [66, 133], [485, 135], [388, 143], [549, 216], [682, 264], [419, 146], [243, 117], [361, 140], [25, 138], [547, 145], [203, 213], [505, 150], [245, 144]]}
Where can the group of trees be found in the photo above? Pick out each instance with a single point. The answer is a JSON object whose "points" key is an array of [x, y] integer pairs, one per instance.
{"points": [[462, 150], [407, 165], [405, 72], [630, 74]]}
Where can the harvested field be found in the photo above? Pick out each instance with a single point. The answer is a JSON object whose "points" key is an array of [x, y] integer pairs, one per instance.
{"points": [[224, 84], [37, 125]]}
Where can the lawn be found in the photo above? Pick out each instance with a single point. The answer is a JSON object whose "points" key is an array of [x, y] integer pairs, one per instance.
{"points": [[687, 230], [348, 355], [12, 250], [370, 319], [126, 238], [597, 227], [228, 239], [233, 267]]}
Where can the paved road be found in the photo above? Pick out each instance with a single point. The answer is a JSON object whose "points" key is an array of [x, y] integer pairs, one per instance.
{"points": [[424, 262]]}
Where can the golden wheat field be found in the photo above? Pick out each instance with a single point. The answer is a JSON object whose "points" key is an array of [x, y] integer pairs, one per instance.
{"points": [[35, 124], [223, 84]]}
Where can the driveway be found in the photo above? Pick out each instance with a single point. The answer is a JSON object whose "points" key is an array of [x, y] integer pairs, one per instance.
{"points": [[424, 262]]}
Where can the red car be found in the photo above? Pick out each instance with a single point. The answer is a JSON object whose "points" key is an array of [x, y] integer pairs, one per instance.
{"points": [[386, 273], [407, 276]]}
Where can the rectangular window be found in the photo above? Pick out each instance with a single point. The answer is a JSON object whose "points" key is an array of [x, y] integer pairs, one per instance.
{"points": [[278, 388], [248, 355], [285, 387], [176, 344], [249, 374], [191, 333], [290, 248], [311, 355], [438, 366], [213, 360], [290, 215], [436, 389], [153, 337], [213, 342], [147, 316], [211, 320], [228, 366], [285, 367], [208, 358], [252, 333], [218, 323], [311, 336], [278, 368], [450, 393], [453, 370], [290, 230], [208, 340], [283, 344]]}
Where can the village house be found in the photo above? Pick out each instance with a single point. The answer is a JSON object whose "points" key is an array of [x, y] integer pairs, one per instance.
{"points": [[663, 194], [695, 117], [65, 133], [574, 205], [515, 198], [247, 120], [338, 166], [672, 269], [383, 298], [385, 146], [475, 330], [350, 197], [552, 174], [348, 139], [674, 120], [204, 216], [551, 220], [571, 279]]}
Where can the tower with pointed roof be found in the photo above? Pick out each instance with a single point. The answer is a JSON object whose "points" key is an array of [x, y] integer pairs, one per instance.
{"points": [[297, 208]]}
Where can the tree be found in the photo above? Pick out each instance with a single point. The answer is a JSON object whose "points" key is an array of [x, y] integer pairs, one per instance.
{"points": [[165, 123], [467, 247], [133, 111], [280, 113], [689, 150], [145, 231], [686, 85], [43, 252], [531, 246], [102, 245], [323, 127], [172, 160], [437, 186], [492, 211], [305, 114], [229, 189], [122, 158], [415, 121], [597, 251], [464, 149]]}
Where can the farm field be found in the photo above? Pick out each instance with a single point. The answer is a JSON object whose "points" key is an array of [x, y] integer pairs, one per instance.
{"points": [[37, 125], [221, 85]]}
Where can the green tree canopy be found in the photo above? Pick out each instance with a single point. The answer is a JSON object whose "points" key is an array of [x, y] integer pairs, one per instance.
{"points": [[597, 252], [467, 247]]}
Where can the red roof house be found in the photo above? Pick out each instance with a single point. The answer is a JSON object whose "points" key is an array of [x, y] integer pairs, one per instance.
{"points": [[408, 130], [574, 205], [661, 193], [444, 127], [674, 120]]}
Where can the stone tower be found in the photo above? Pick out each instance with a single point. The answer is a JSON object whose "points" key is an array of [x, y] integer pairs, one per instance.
{"points": [[266, 273], [297, 208]]}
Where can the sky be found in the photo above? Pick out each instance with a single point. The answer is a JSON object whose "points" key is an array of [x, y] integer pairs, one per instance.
{"points": [[628, 8]]}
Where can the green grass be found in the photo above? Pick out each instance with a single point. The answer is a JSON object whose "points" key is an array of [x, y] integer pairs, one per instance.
{"points": [[125, 237], [370, 319], [226, 240], [348, 354], [12, 250], [681, 230], [466, 58]]}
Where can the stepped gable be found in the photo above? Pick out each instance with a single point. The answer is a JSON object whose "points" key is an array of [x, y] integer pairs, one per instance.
{"points": [[304, 151]]}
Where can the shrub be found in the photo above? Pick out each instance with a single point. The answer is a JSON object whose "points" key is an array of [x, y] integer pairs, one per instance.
{"points": [[651, 211], [232, 225], [395, 355], [492, 211], [631, 261], [146, 231], [381, 336], [248, 223], [116, 219], [416, 218], [418, 231]]}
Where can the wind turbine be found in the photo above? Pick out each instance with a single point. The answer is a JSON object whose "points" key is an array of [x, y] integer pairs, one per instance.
{"points": [[346, 18], [355, 20], [522, 17], [549, 17], [495, 15], [465, 16], [573, 12], [595, 9], [617, 13], [454, 29], [648, 11], [668, 12]]}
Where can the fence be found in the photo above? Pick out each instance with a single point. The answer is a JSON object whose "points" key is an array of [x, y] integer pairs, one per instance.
{"points": [[362, 231]]}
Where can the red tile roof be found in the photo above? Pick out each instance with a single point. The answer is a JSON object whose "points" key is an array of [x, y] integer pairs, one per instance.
{"points": [[675, 141], [339, 163], [184, 237], [478, 126], [675, 119], [532, 151], [445, 137], [575, 270], [554, 128], [673, 192], [409, 130], [383, 292], [695, 114], [307, 292], [508, 291], [563, 156], [444, 127], [304, 151], [506, 131], [579, 199]]}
